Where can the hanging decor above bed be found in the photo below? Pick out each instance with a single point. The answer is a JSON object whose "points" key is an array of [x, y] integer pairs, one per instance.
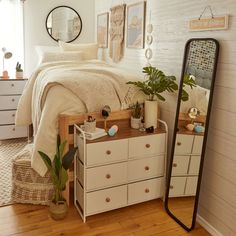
{"points": [[117, 23]]}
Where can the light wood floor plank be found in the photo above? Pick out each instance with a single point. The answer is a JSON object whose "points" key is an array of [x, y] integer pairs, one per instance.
{"points": [[138, 220]]}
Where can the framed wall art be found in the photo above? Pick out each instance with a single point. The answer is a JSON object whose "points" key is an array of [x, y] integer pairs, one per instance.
{"points": [[102, 30], [135, 25]]}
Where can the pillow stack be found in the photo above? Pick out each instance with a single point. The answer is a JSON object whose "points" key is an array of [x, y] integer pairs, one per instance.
{"points": [[89, 50]]}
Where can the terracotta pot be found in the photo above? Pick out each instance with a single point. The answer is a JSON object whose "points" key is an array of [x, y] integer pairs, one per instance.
{"points": [[135, 122], [58, 211]]}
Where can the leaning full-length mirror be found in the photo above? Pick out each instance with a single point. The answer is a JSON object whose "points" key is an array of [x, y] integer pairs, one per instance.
{"points": [[63, 23], [190, 131]]}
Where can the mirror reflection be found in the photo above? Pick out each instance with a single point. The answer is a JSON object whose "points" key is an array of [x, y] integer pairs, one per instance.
{"points": [[63, 23], [189, 136]]}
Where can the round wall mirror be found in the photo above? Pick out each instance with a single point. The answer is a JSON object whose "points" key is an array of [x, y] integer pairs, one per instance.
{"points": [[63, 23]]}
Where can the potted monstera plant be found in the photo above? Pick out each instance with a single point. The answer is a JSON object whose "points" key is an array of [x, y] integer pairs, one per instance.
{"points": [[57, 168], [155, 83]]}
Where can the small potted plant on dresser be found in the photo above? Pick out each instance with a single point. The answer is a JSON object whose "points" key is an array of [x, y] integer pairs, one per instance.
{"points": [[57, 168], [19, 71], [136, 117]]}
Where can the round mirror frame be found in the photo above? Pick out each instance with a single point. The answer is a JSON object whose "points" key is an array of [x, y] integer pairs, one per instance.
{"points": [[75, 13]]}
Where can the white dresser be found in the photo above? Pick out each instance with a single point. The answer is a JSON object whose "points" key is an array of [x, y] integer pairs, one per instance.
{"points": [[10, 92], [114, 172], [186, 165]]}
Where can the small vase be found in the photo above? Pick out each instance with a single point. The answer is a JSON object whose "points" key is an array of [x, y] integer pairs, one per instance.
{"points": [[58, 211], [135, 122], [19, 74], [150, 113]]}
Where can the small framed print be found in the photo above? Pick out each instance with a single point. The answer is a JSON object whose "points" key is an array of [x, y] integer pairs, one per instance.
{"points": [[102, 30], [135, 25]]}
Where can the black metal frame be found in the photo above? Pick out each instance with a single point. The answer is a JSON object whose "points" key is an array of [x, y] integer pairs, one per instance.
{"points": [[76, 14], [205, 134]]}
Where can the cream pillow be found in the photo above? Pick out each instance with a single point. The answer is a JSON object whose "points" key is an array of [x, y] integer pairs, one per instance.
{"points": [[90, 50], [62, 56]]}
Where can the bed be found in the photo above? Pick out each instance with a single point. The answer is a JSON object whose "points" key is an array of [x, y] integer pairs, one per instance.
{"points": [[68, 86]]}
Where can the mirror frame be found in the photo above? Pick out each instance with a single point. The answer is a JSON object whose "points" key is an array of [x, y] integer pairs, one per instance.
{"points": [[75, 13], [169, 169]]}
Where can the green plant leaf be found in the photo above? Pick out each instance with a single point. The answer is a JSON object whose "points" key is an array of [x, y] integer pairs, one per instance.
{"points": [[64, 179], [61, 149], [46, 159], [68, 158]]}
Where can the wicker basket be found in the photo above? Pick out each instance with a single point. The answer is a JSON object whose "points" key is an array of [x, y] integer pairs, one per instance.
{"points": [[27, 185]]}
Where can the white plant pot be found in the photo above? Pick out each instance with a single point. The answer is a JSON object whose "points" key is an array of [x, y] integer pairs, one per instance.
{"points": [[150, 113], [135, 122], [19, 74]]}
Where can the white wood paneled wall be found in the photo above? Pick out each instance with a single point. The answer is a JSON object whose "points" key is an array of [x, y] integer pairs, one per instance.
{"points": [[170, 19]]}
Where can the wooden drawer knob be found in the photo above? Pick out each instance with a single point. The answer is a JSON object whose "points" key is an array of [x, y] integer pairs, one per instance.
{"points": [[13, 100], [12, 85], [108, 176], [178, 143], [13, 129], [174, 165], [146, 168], [147, 190], [13, 115], [108, 152], [148, 145], [171, 186], [108, 199]]}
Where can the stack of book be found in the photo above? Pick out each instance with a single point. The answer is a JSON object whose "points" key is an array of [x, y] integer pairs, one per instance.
{"points": [[98, 133]]}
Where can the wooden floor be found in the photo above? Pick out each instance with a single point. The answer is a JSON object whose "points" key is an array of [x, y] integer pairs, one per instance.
{"points": [[138, 220]]}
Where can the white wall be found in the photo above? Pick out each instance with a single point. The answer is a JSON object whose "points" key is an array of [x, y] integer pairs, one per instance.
{"points": [[35, 13], [170, 19]]}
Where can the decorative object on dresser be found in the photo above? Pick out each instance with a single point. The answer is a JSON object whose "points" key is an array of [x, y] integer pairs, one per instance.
{"points": [[58, 170], [118, 171], [135, 120], [155, 84], [6, 55], [10, 92], [19, 71], [190, 130]]}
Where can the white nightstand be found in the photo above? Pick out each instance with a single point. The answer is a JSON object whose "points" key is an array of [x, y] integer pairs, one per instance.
{"points": [[10, 92]]}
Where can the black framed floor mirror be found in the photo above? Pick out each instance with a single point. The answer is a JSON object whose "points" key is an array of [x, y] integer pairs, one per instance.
{"points": [[190, 130]]}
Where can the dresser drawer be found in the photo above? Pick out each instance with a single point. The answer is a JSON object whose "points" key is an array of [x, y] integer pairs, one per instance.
{"points": [[145, 190], [194, 165], [146, 146], [145, 168], [105, 200], [191, 186], [9, 102], [12, 131], [8, 87], [197, 145], [183, 144], [180, 165], [106, 176], [107, 152], [7, 117], [177, 186]]}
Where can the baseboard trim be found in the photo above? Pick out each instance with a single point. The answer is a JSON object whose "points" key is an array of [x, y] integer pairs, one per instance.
{"points": [[208, 227]]}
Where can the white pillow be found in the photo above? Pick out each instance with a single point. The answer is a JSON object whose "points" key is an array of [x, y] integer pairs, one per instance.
{"points": [[90, 50], [41, 50], [62, 56]]}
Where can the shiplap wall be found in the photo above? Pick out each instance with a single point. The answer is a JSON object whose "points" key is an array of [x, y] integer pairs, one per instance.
{"points": [[170, 19]]}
